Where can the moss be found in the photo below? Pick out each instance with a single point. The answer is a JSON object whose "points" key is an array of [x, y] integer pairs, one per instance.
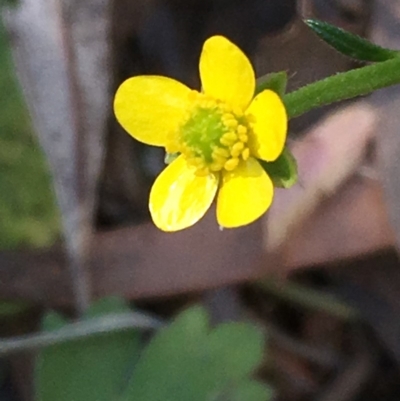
{"points": [[28, 214]]}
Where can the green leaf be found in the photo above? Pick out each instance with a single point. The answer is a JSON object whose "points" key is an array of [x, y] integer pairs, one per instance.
{"points": [[11, 308], [53, 321], [251, 391], [89, 369], [106, 306], [349, 44], [12, 3], [189, 361], [283, 171], [275, 81]]}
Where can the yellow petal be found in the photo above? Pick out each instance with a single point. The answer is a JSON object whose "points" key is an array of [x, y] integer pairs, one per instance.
{"points": [[149, 107], [270, 126], [179, 198], [226, 73], [245, 195]]}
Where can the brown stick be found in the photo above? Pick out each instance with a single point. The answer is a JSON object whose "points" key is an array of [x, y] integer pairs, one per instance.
{"points": [[142, 262]]}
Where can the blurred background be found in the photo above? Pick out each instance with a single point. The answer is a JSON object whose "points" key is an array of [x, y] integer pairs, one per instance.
{"points": [[320, 272]]}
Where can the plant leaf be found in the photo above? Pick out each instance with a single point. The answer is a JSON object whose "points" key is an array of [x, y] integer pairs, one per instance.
{"points": [[89, 369], [283, 171], [251, 390], [275, 81], [12, 308], [188, 361], [349, 44]]}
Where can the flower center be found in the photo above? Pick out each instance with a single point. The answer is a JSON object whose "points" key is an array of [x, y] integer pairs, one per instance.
{"points": [[213, 136]]}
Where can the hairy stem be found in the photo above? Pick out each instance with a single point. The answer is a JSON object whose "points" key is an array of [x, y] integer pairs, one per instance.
{"points": [[345, 85]]}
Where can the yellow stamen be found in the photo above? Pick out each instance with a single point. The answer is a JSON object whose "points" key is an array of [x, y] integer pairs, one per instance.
{"points": [[236, 149], [245, 154], [202, 172], [213, 136], [198, 162], [244, 138], [228, 139], [224, 107], [231, 164], [228, 116], [185, 150], [216, 166], [220, 152], [232, 123], [220, 160], [241, 130]]}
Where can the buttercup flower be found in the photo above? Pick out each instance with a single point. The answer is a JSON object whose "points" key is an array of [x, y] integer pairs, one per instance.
{"points": [[219, 133]]}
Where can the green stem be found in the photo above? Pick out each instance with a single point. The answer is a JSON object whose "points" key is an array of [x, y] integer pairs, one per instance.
{"points": [[345, 85], [308, 298]]}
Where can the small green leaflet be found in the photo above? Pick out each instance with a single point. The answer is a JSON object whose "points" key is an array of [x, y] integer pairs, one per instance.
{"points": [[283, 171], [186, 360], [349, 44], [89, 369], [189, 360], [275, 81]]}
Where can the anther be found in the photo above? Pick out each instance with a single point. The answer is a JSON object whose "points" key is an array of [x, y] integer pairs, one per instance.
{"points": [[219, 159], [231, 164], [185, 150], [245, 153], [216, 166], [236, 149], [202, 172], [220, 152], [224, 107], [212, 136], [198, 162], [228, 116], [244, 138], [210, 105], [228, 139], [232, 124], [241, 130]]}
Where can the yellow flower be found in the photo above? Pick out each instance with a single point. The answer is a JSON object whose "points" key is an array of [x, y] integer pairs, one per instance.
{"points": [[219, 134]]}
